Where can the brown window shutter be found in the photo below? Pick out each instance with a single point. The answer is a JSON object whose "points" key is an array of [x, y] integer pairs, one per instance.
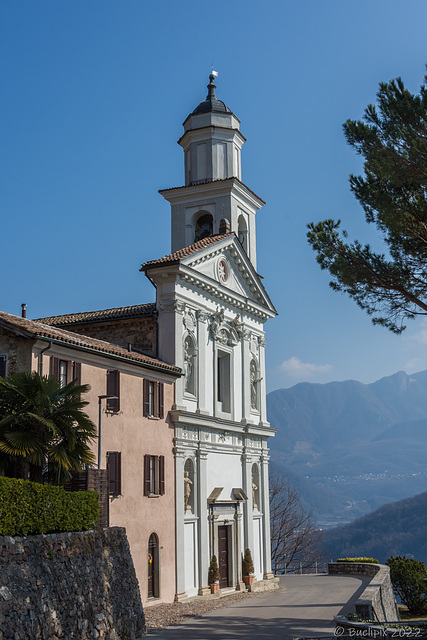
{"points": [[54, 367], [2, 366], [113, 389], [156, 399], [162, 475], [146, 396], [77, 372], [114, 472], [161, 400], [147, 459], [119, 473]]}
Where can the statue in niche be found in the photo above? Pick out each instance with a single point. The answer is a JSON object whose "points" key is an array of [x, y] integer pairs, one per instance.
{"points": [[188, 365], [187, 490], [254, 500], [254, 385]]}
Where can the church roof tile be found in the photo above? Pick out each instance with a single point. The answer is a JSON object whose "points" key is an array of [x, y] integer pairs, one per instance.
{"points": [[174, 258], [96, 316]]}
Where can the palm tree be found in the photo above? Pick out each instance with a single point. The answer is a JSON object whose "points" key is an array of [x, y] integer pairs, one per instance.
{"points": [[44, 432]]}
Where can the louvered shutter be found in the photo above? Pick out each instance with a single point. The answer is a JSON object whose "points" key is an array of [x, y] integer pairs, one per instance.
{"points": [[113, 389], [162, 475], [147, 488], [54, 367], [114, 472], [146, 397], [161, 400], [77, 372], [2, 366]]}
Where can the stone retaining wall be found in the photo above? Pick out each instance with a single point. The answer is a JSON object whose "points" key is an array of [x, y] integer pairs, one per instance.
{"points": [[69, 586], [377, 602]]}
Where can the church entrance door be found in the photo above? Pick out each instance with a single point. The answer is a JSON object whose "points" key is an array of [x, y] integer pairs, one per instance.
{"points": [[223, 555]]}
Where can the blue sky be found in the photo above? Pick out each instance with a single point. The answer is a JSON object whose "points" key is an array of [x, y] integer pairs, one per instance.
{"points": [[93, 96]]}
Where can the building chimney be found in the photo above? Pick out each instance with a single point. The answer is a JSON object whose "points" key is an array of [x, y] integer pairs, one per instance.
{"points": [[24, 310]]}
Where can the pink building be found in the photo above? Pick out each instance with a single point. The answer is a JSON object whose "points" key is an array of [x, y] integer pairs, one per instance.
{"points": [[136, 436]]}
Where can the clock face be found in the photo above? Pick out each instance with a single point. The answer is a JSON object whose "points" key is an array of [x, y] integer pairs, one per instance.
{"points": [[222, 271]]}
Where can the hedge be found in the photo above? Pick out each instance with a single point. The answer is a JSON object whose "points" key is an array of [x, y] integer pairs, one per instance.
{"points": [[370, 560], [29, 508]]}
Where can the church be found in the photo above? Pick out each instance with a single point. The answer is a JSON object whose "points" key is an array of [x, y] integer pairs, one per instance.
{"points": [[212, 307], [179, 383]]}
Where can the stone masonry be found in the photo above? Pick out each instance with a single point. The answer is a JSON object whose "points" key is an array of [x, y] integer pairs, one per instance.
{"points": [[69, 586]]}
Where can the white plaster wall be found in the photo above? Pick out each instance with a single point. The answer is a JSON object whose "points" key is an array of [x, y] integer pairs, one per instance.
{"points": [[191, 568], [224, 470], [257, 550]]}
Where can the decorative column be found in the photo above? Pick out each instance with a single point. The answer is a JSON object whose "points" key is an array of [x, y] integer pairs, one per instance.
{"points": [[248, 510], [263, 391], [179, 516], [204, 559], [266, 516], [201, 368]]}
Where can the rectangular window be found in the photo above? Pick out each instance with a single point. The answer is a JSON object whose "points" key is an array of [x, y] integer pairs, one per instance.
{"points": [[223, 382], [113, 389], [154, 475], [3, 361], [114, 472], [153, 403], [59, 370]]}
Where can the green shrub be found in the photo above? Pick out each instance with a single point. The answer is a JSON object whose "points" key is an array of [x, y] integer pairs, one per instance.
{"points": [[370, 560], [409, 579], [213, 574], [247, 564], [29, 508]]}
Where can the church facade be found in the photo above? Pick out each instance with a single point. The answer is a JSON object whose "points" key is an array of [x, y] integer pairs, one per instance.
{"points": [[211, 308]]}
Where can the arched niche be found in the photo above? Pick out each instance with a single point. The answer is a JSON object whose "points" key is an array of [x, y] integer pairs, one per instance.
{"points": [[189, 486], [190, 362], [255, 488], [254, 382]]}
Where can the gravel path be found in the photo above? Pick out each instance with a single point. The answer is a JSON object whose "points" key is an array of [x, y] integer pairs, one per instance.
{"points": [[167, 615]]}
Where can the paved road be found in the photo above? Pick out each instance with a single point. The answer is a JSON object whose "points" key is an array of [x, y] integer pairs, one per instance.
{"points": [[304, 605]]}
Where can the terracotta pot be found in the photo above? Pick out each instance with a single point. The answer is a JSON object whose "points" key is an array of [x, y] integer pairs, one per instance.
{"points": [[214, 587], [248, 579]]}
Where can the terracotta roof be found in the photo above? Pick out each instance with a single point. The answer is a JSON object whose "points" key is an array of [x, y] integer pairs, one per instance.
{"points": [[197, 184], [174, 258], [33, 329], [96, 316]]}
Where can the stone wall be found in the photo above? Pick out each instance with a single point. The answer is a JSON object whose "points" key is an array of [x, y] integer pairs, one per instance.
{"points": [[69, 586], [377, 602], [141, 333]]}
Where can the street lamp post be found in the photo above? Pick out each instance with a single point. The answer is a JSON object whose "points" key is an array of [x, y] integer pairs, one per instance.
{"points": [[100, 399]]}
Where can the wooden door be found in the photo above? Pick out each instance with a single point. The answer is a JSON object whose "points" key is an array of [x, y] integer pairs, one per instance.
{"points": [[223, 555]]}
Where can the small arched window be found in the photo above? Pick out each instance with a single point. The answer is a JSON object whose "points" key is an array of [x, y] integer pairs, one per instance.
{"points": [[153, 567], [204, 227]]}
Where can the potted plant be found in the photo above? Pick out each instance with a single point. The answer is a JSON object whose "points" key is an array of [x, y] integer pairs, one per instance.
{"points": [[248, 568], [213, 575]]}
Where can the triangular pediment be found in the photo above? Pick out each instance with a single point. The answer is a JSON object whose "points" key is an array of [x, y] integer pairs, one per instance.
{"points": [[228, 267]]}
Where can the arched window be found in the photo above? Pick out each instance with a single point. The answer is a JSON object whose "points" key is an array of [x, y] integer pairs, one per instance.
{"points": [[153, 566], [203, 227], [189, 486], [255, 488], [242, 232]]}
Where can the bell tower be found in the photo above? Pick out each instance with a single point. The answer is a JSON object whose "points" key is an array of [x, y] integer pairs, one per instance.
{"points": [[214, 197]]}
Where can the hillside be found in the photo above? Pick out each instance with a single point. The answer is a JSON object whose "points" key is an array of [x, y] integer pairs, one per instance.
{"points": [[394, 529], [365, 443]]}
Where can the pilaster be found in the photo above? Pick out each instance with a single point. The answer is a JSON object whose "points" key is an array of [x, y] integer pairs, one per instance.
{"points": [[263, 390], [179, 515], [246, 392], [266, 517], [204, 588], [248, 511], [201, 386]]}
